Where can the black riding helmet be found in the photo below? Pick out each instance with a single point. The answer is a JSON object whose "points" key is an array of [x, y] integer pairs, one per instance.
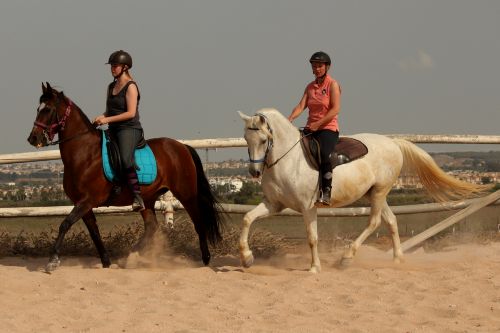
{"points": [[321, 57], [120, 57]]}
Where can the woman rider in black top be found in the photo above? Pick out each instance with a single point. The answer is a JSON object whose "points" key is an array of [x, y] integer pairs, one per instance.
{"points": [[122, 115]]}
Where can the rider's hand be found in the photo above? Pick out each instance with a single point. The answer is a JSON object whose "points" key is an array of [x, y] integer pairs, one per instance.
{"points": [[100, 120], [314, 126]]}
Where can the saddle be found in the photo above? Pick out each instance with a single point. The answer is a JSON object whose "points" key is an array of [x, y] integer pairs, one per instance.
{"points": [[144, 160], [346, 150]]}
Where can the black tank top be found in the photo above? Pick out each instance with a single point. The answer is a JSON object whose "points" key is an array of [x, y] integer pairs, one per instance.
{"points": [[117, 104]]}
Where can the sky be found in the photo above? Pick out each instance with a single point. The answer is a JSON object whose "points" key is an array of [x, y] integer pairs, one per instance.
{"points": [[419, 67]]}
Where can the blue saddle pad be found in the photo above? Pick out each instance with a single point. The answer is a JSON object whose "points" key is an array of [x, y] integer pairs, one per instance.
{"points": [[144, 158]]}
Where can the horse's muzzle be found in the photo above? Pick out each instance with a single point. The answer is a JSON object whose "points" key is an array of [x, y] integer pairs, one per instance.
{"points": [[255, 169], [36, 139]]}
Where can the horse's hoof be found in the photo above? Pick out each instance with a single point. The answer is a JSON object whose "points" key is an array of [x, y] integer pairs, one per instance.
{"points": [[346, 262], [52, 265], [105, 262], [398, 260], [315, 269], [247, 259]]}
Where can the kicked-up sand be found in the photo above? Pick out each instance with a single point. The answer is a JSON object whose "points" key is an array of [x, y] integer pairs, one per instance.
{"points": [[457, 290]]}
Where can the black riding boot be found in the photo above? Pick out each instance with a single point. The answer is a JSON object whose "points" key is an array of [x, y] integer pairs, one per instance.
{"points": [[326, 191], [133, 184]]}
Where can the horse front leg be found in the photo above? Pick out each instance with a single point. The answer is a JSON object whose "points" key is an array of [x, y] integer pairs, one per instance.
{"points": [[262, 210], [76, 213], [90, 222], [311, 222]]}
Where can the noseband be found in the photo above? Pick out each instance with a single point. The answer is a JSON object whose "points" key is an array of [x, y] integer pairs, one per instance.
{"points": [[50, 130]]}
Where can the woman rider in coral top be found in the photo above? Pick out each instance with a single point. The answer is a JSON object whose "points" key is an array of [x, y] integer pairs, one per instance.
{"points": [[322, 98]]}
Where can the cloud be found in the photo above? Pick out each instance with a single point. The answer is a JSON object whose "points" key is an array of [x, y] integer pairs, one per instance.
{"points": [[422, 61]]}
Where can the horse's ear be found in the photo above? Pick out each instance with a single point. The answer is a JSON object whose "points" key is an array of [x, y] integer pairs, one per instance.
{"points": [[49, 88], [44, 89], [243, 116], [262, 119]]}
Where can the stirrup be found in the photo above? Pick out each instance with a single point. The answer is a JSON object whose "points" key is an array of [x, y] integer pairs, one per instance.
{"points": [[138, 204], [325, 198]]}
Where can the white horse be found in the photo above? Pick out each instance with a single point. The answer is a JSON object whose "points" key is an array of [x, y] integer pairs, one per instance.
{"points": [[289, 181]]}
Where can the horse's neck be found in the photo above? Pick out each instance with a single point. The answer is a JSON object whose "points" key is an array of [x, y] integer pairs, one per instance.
{"points": [[285, 136], [78, 136]]}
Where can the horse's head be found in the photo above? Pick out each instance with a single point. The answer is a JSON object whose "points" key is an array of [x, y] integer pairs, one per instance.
{"points": [[259, 137], [51, 115]]}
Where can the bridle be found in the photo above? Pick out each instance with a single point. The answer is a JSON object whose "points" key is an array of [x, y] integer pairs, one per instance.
{"points": [[50, 130], [270, 143]]}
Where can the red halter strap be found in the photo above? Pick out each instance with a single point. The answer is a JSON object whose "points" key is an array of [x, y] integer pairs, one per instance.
{"points": [[51, 130]]}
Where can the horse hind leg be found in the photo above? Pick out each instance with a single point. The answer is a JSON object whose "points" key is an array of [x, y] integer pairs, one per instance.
{"points": [[192, 208], [390, 219], [150, 228], [373, 223]]}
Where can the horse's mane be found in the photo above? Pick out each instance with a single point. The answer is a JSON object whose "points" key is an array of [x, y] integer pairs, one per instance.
{"points": [[274, 116], [60, 95]]}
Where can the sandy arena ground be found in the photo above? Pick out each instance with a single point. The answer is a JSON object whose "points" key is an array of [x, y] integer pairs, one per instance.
{"points": [[457, 290]]}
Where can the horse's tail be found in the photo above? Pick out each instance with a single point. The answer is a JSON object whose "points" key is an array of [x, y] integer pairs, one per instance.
{"points": [[208, 204], [441, 186]]}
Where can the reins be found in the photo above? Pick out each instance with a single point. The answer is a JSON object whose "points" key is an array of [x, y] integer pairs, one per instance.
{"points": [[52, 143], [275, 162]]}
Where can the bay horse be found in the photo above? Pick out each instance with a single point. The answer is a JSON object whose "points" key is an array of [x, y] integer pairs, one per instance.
{"points": [[290, 181], [179, 169]]}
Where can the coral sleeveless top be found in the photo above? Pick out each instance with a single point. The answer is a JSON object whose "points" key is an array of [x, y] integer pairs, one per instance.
{"points": [[318, 103]]}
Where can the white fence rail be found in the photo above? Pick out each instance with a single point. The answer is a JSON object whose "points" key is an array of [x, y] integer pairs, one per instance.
{"points": [[168, 206], [240, 142]]}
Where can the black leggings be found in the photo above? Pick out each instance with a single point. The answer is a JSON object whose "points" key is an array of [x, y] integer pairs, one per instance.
{"points": [[327, 140], [127, 139]]}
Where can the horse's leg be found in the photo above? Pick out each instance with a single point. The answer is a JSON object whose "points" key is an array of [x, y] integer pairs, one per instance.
{"points": [[150, 228], [311, 221], [90, 222], [390, 219], [76, 213], [192, 208], [377, 200], [262, 210]]}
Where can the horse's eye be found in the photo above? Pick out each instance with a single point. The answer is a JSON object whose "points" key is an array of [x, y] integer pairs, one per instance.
{"points": [[263, 141]]}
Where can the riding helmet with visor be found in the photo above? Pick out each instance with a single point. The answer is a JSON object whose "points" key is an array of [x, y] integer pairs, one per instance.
{"points": [[321, 57], [120, 58]]}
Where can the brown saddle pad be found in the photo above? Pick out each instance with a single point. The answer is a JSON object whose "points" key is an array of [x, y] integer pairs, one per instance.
{"points": [[346, 150]]}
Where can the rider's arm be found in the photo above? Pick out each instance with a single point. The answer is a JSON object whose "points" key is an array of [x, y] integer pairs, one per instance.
{"points": [[299, 108]]}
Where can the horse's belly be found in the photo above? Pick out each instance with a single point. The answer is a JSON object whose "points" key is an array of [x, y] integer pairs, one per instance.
{"points": [[350, 182]]}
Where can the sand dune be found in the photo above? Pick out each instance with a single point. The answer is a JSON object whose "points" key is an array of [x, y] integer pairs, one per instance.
{"points": [[457, 290]]}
